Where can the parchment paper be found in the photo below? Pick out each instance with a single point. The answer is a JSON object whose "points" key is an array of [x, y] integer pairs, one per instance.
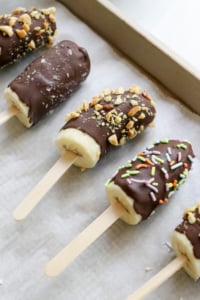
{"points": [[125, 256]]}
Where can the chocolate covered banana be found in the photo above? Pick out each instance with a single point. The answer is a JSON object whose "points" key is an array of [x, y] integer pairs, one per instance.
{"points": [[150, 178], [186, 241], [134, 192], [111, 119], [47, 81], [23, 31]]}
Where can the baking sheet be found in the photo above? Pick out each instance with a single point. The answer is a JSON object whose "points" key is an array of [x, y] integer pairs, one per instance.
{"points": [[125, 256]]}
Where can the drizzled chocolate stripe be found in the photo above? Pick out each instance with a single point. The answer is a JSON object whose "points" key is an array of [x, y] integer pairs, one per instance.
{"points": [[47, 81], [155, 174], [114, 116], [190, 227], [23, 31]]}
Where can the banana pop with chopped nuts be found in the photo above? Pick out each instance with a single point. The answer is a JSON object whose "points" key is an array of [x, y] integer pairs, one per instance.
{"points": [[186, 240], [150, 178], [23, 30], [111, 119]]}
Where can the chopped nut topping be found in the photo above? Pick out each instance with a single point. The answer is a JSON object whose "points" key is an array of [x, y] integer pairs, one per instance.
{"points": [[113, 140], [26, 27], [31, 45], [37, 28], [134, 90], [52, 18], [79, 109], [120, 90], [134, 110], [50, 40], [144, 94], [122, 141], [21, 33], [117, 119], [141, 116], [107, 106], [141, 127], [18, 11], [151, 125], [95, 100], [12, 21], [7, 30], [134, 102], [108, 98], [45, 25], [190, 209], [130, 124], [35, 14], [131, 133], [85, 105], [72, 115], [108, 116], [98, 106], [48, 11], [25, 18], [191, 218], [118, 100]]}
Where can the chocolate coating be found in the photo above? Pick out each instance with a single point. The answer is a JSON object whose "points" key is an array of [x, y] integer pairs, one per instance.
{"points": [[23, 31], [47, 81], [155, 174], [114, 117], [190, 227]]}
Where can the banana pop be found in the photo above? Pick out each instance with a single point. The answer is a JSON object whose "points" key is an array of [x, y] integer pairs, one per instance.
{"points": [[23, 31], [186, 240], [47, 81], [150, 178], [111, 119]]}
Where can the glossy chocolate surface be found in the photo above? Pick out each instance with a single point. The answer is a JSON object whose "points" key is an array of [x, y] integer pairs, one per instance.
{"points": [[50, 78]]}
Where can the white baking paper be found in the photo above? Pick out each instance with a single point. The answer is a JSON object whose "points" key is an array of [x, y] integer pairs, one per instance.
{"points": [[125, 256]]}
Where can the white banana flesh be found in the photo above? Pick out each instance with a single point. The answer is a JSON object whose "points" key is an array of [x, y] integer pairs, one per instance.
{"points": [[80, 143], [23, 110], [115, 193], [182, 246]]}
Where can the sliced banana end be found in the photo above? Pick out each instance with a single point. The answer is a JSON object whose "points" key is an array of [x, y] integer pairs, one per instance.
{"points": [[182, 246], [82, 144], [23, 110], [115, 193]]}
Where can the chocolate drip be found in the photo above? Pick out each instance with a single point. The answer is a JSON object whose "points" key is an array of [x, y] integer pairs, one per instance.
{"points": [[113, 117], [155, 174], [23, 31], [191, 228], [47, 81]]}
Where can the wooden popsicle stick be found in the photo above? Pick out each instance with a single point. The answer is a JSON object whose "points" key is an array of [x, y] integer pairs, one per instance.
{"points": [[158, 279], [84, 239], [46, 183], [7, 114]]}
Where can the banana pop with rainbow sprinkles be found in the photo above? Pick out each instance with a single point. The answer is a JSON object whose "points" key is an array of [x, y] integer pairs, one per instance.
{"points": [[134, 192]]}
